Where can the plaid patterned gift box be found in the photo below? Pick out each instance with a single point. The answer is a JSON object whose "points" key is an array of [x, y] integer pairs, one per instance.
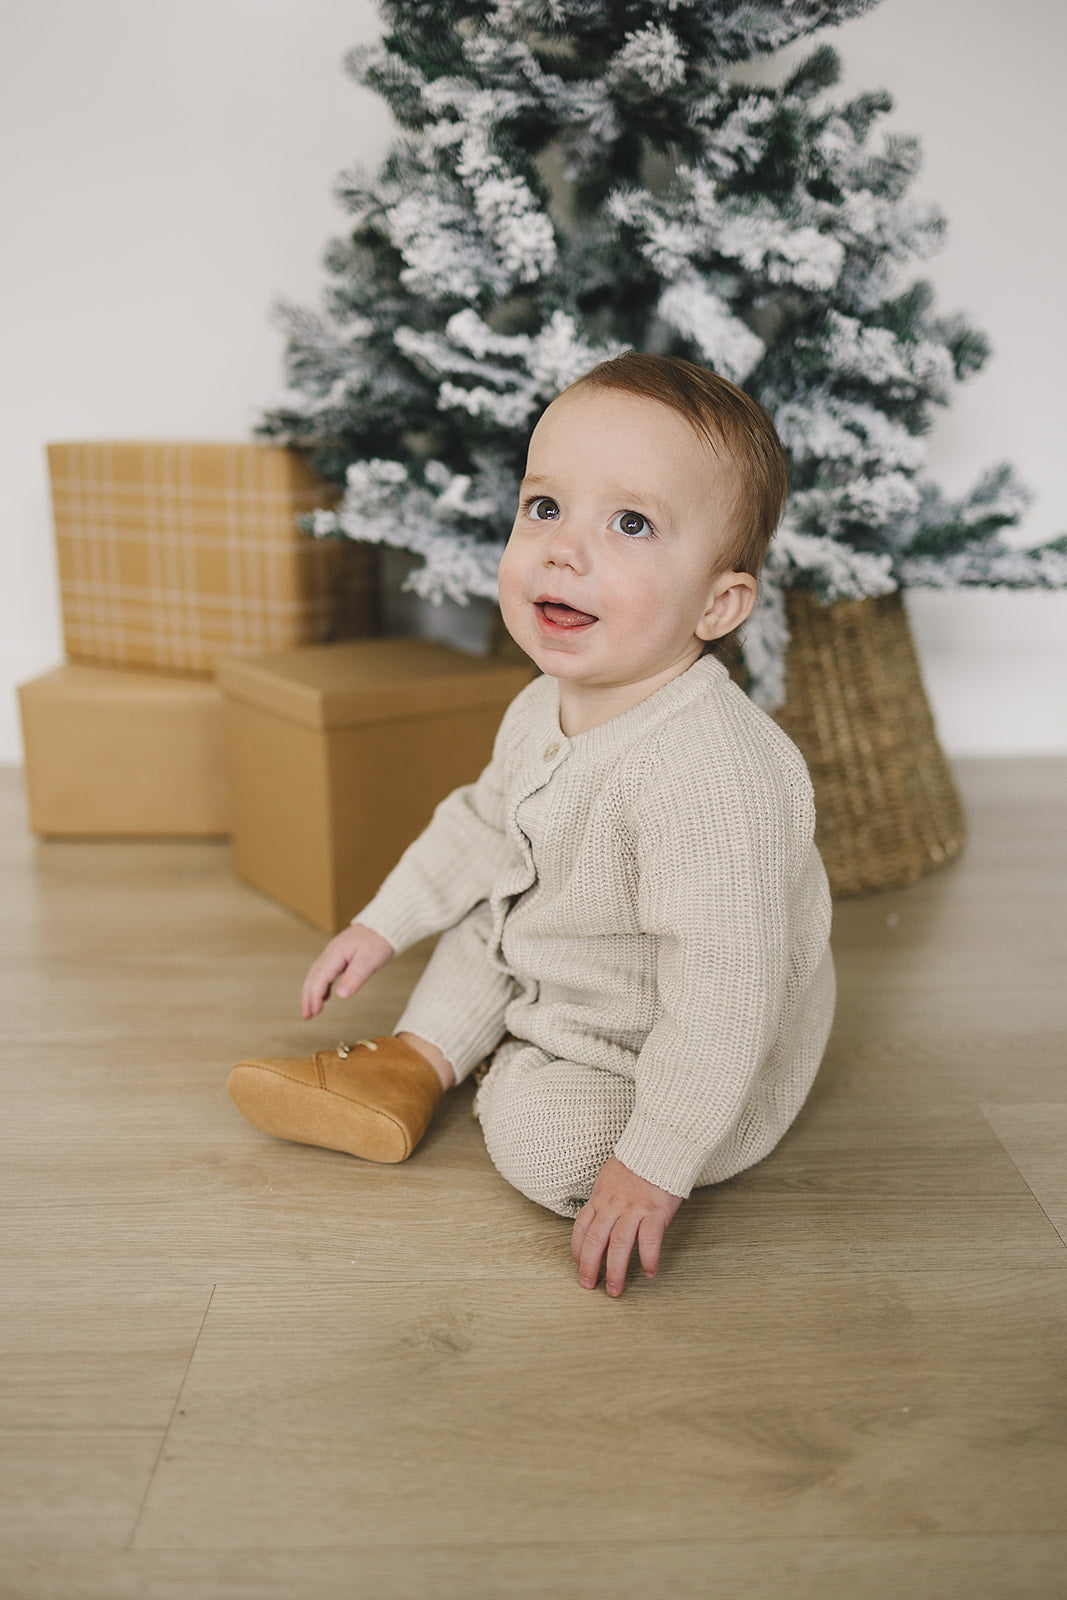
{"points": [[173, 555]]}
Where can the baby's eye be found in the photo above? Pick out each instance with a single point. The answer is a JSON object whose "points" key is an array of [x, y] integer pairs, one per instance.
{"points": [[541, 507], [632, 524]]}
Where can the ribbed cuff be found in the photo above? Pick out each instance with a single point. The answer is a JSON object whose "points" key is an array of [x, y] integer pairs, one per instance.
{"points": [[660, 1154], [401, 931]]}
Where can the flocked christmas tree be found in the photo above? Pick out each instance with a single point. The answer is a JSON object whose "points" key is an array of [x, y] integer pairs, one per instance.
{"points": [[576, 177]]}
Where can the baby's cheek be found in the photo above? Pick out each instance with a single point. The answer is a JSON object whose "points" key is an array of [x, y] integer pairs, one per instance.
{"points": [[510, 581]]}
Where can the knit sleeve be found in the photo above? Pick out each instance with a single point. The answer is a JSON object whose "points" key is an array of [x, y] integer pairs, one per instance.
{"points": [[719, 847], [455, 861]]}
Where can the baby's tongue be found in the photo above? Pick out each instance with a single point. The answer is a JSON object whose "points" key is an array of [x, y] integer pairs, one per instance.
{"points": [[565, 616]]}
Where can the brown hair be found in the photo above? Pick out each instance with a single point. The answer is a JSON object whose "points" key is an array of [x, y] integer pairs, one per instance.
{"points": [[737, 429]]}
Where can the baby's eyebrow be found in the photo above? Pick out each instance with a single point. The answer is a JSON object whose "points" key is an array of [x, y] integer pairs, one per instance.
{"points": [[636, 498], [615, 492]]}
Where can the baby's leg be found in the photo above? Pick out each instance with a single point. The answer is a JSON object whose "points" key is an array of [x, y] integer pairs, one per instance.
{"points": [[550, 1125], [375, 1099], [459, 1002]]}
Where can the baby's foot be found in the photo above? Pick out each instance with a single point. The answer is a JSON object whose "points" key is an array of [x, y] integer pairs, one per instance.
{"points": [[372, 1099]]}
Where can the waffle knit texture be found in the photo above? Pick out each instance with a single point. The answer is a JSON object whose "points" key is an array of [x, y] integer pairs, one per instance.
{"points": [[643, 902]]}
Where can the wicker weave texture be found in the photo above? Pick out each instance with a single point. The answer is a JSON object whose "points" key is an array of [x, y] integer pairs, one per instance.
{"points": [[886, 803]]}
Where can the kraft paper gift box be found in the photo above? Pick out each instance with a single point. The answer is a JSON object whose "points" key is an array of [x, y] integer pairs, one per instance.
{"points": [[121, 753], [338, 754], [173, 555]]}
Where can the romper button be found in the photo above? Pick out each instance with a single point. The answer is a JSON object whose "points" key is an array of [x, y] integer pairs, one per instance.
{"points": [[552, 752]]}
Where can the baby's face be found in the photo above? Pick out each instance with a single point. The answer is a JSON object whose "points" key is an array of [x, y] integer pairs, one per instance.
{"points": [[616, 548]]}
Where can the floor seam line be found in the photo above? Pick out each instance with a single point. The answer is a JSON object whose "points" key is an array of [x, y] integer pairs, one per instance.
{"points": [[170, 1422], [1036, 1197]]}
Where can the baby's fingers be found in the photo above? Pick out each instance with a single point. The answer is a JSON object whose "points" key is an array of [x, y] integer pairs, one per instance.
{"points": [[649, 1240], [318, 981], [620, 1250], [589, 1249], [581, 1227], [615, 1236], [362, 953], [313, 995]]}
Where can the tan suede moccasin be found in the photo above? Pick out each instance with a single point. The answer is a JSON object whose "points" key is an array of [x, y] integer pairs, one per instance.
{"points": [[372, 1099]]}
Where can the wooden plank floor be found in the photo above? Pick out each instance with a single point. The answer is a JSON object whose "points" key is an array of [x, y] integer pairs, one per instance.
{"points": [[233, 1368]]}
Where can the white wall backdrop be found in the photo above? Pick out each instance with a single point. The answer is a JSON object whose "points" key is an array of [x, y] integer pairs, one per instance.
{"points": [[167, 174]]}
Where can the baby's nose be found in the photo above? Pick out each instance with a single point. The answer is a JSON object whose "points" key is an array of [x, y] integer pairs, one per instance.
{"points": [[567, 545]]}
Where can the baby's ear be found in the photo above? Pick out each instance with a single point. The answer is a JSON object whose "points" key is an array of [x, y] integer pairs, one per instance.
{"points": [[730, 602]]}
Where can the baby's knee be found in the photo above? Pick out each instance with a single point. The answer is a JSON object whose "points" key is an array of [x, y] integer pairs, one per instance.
{"points": [[550, 1126]]}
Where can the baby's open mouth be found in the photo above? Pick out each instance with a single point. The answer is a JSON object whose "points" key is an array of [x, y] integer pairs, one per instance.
{"points": [[564, 616]]}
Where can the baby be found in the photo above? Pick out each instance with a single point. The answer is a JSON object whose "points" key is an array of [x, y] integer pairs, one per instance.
{"points": [[634, 918]]}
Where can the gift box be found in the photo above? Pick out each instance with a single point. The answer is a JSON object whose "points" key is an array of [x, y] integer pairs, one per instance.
{"points": [[114, 752], [338, 754], [173, 555]]}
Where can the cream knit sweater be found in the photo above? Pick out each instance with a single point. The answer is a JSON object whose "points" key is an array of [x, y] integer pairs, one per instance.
{"points": [[655, 909]]}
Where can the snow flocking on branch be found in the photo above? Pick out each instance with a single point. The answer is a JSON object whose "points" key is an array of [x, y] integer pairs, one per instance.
{"points": [[654, 56], [725, 342]]}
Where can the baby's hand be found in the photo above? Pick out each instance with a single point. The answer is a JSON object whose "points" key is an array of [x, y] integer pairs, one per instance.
{"points": [[621, 1209], [345, 965]]}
